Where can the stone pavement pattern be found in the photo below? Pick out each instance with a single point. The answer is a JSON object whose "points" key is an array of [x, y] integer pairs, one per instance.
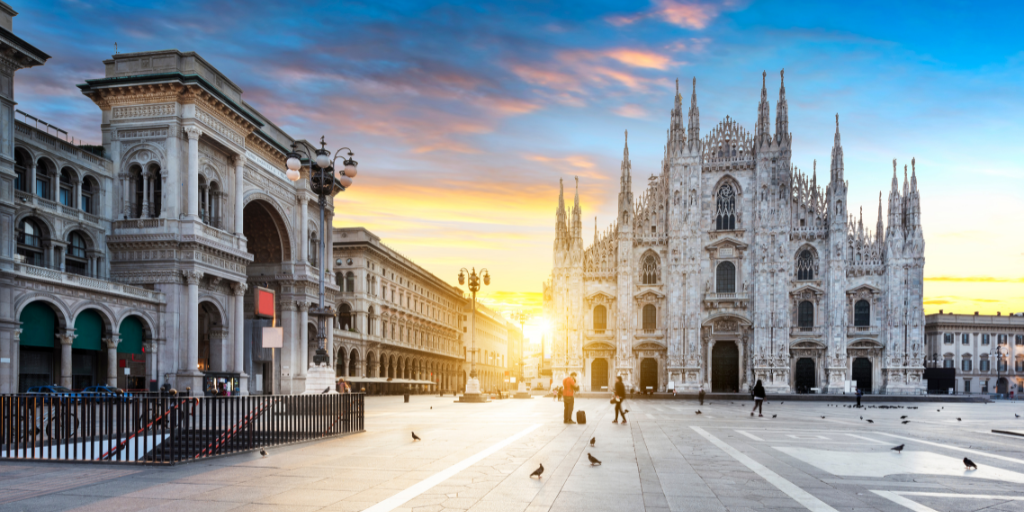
{"points": [[667, 458]]}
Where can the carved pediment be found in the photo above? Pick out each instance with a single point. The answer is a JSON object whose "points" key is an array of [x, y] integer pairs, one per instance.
{"points": [[726, 319], [649, 295], [649, 346], [600, 297], [726, 242], [864, 291], [809, 345], [865, 344], [598, 345]]}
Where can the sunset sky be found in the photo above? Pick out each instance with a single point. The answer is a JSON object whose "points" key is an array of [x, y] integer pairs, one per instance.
{"points": [[464, 115]]}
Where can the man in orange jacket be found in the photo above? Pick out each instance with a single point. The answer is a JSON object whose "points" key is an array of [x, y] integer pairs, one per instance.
{"points": [[569, 388]]}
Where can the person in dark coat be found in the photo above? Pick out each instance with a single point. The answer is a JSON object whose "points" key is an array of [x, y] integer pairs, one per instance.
{"points": [[860, 393], [620, 395], [758, 398], [700, 394]]}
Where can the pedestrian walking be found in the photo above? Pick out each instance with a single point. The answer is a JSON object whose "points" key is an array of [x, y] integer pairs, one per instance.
{"points": [[569, 388], [700, 394], [860, 393], [620, 395], [758, 398]]}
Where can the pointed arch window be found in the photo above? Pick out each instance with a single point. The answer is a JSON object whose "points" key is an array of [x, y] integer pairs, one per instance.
{"points": [[725, 277], [649, 269], [805, 266], [650, 317], [805, 315], [725, 208], [862, 315], [600, 319]]}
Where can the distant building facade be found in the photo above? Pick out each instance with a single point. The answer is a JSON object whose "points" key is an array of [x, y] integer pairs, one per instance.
{"points": [[734, 266], [491, 342], [987, 351]]}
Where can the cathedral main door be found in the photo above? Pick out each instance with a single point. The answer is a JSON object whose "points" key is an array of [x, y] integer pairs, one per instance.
{"points": [[725, 368], [599, 374], [649, 375], [862, 370], [804, 375]]}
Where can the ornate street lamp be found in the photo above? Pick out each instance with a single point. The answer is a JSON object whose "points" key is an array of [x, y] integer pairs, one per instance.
{"points": [[324, 180], [473, 385], [522, 317]]}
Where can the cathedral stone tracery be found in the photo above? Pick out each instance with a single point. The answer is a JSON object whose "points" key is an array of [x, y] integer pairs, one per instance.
{"points": [[733, 265]]}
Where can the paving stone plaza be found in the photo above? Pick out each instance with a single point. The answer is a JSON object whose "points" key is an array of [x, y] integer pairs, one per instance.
{"points": [[479, 457]]}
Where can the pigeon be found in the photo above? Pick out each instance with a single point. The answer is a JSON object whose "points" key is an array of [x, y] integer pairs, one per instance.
{"points": [[938, 410], [903, 417], [698, 411], [263, 451], [537, 472], [905, 422], [970, 463], [326, 390], [415, 437], [592, 441], [593, 460], [822, 417], [862, 418], [431, 407], [780, 403], [1015, 415], [958, 419], [774, 415], [871, 421], [897, 449]]}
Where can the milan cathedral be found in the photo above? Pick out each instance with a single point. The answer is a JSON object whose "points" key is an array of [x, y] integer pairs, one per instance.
{"points": [[733, 265]]}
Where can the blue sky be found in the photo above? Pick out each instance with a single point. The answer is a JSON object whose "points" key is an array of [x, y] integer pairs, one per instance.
{"points": [[465, 115]]}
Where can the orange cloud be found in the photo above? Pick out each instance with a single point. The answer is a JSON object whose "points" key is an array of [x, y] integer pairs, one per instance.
{"points": [[684, 14], [640, 58], [631, 110]]}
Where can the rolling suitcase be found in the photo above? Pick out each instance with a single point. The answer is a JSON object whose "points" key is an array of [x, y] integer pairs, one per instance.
{"points": [[581, 417]]}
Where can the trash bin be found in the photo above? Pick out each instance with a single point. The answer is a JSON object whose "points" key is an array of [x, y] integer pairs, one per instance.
{"points": [[406, 398]]}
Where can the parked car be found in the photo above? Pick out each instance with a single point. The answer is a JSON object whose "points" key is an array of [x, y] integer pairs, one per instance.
{"points": [[104, 393], [56, 391]]}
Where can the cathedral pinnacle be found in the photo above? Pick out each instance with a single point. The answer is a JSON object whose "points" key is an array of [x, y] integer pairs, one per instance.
{"points": [[837, 156], [763, 129], [782, 111], [693, 138]]}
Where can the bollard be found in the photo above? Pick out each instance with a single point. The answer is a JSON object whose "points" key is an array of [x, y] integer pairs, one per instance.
{"points": [[407, 398]]}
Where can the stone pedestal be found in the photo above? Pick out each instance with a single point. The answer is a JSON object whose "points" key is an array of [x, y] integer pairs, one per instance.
{"points": [[521, 392], [318, 378], [472, 394]]}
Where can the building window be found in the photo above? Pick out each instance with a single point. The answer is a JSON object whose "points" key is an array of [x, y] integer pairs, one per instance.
{"points": [[965, 365], [862, 314], [965, 339], [75, 261], [983, 365], [805, 316], [350, 282], [725, 277], [947, 338], [1002, 339], [1019, 340], [650, 317], [21, 164], [805, 266], [30, 242], [67, 188], [1002, 365], [1018, 365], [314, 249], [345, 318], [947, 363], [88, 189], [986, 339], [600, 319], [649, 270], [43, 177], [725, 208], [369, 321]]}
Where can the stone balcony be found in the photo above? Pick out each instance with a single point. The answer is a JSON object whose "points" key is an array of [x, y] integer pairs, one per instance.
{"points": [[718, 300], [71, 280], [599, 334], [65, 212], [805, 332], [862, 330]]}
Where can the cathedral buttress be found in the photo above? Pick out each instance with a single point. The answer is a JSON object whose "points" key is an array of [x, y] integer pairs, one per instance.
{"points": [[624, 276], [835, 282]]}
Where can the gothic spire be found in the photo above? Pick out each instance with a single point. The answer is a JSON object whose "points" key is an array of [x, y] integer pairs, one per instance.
{"points": [[625, 187], [676, 130], [782, 110], [694, 120], [878, 225], [837, 157], [560, 225], [763, 130], [577, 222]]}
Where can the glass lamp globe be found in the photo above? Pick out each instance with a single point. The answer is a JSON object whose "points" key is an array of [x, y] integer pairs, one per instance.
{"points": [[323, 160], [350, 168], [293, 174], [345, 181], [294, 163]]}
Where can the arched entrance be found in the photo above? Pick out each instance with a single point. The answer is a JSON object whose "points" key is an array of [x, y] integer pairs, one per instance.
{"points": [[211, 339], [725, 367], [269, 241], [130, 354], [862, 372], [352, 358], [648, 375], [38, 354], [88, 355], [805, 375], [1001, 386], [599, 374]]}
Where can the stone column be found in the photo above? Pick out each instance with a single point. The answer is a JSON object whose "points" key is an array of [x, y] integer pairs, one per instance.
{"points": [[111, 343], [65, 357], [239, 329], [125, 204], [192, 277], [239, 192], [31, 185], [145, 196], [303, 228], [303, 363], [193, 133], [78, 194]]}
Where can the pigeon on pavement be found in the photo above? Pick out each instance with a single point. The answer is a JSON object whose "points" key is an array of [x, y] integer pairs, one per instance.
{"points": [[871, 421], [593, 440], [326, 390], [593, 460], [415, 437], [958, 419], [537, 472], [698, 411], [1015, 415], [263, 451], [774, 415], [970, 463], [905, 422], [822, 417], [897, 449], [903, 417]]}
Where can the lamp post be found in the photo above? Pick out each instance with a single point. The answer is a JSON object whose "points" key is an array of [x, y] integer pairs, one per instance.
{"points": [[324, 181], [472, 384], [999, 365], [522, 317]]}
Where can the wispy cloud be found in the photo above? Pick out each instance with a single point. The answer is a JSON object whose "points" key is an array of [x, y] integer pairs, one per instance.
{"points": [[691, 15]]}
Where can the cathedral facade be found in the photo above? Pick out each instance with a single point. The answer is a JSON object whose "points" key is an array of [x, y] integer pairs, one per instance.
{"points": [[733, 266]]}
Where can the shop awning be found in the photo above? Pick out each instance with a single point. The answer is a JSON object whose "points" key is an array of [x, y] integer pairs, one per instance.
{"points": [[381, 380]]}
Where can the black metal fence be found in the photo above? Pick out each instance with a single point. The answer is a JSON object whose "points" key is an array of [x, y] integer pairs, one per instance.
{"points": [[164, 429]]}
